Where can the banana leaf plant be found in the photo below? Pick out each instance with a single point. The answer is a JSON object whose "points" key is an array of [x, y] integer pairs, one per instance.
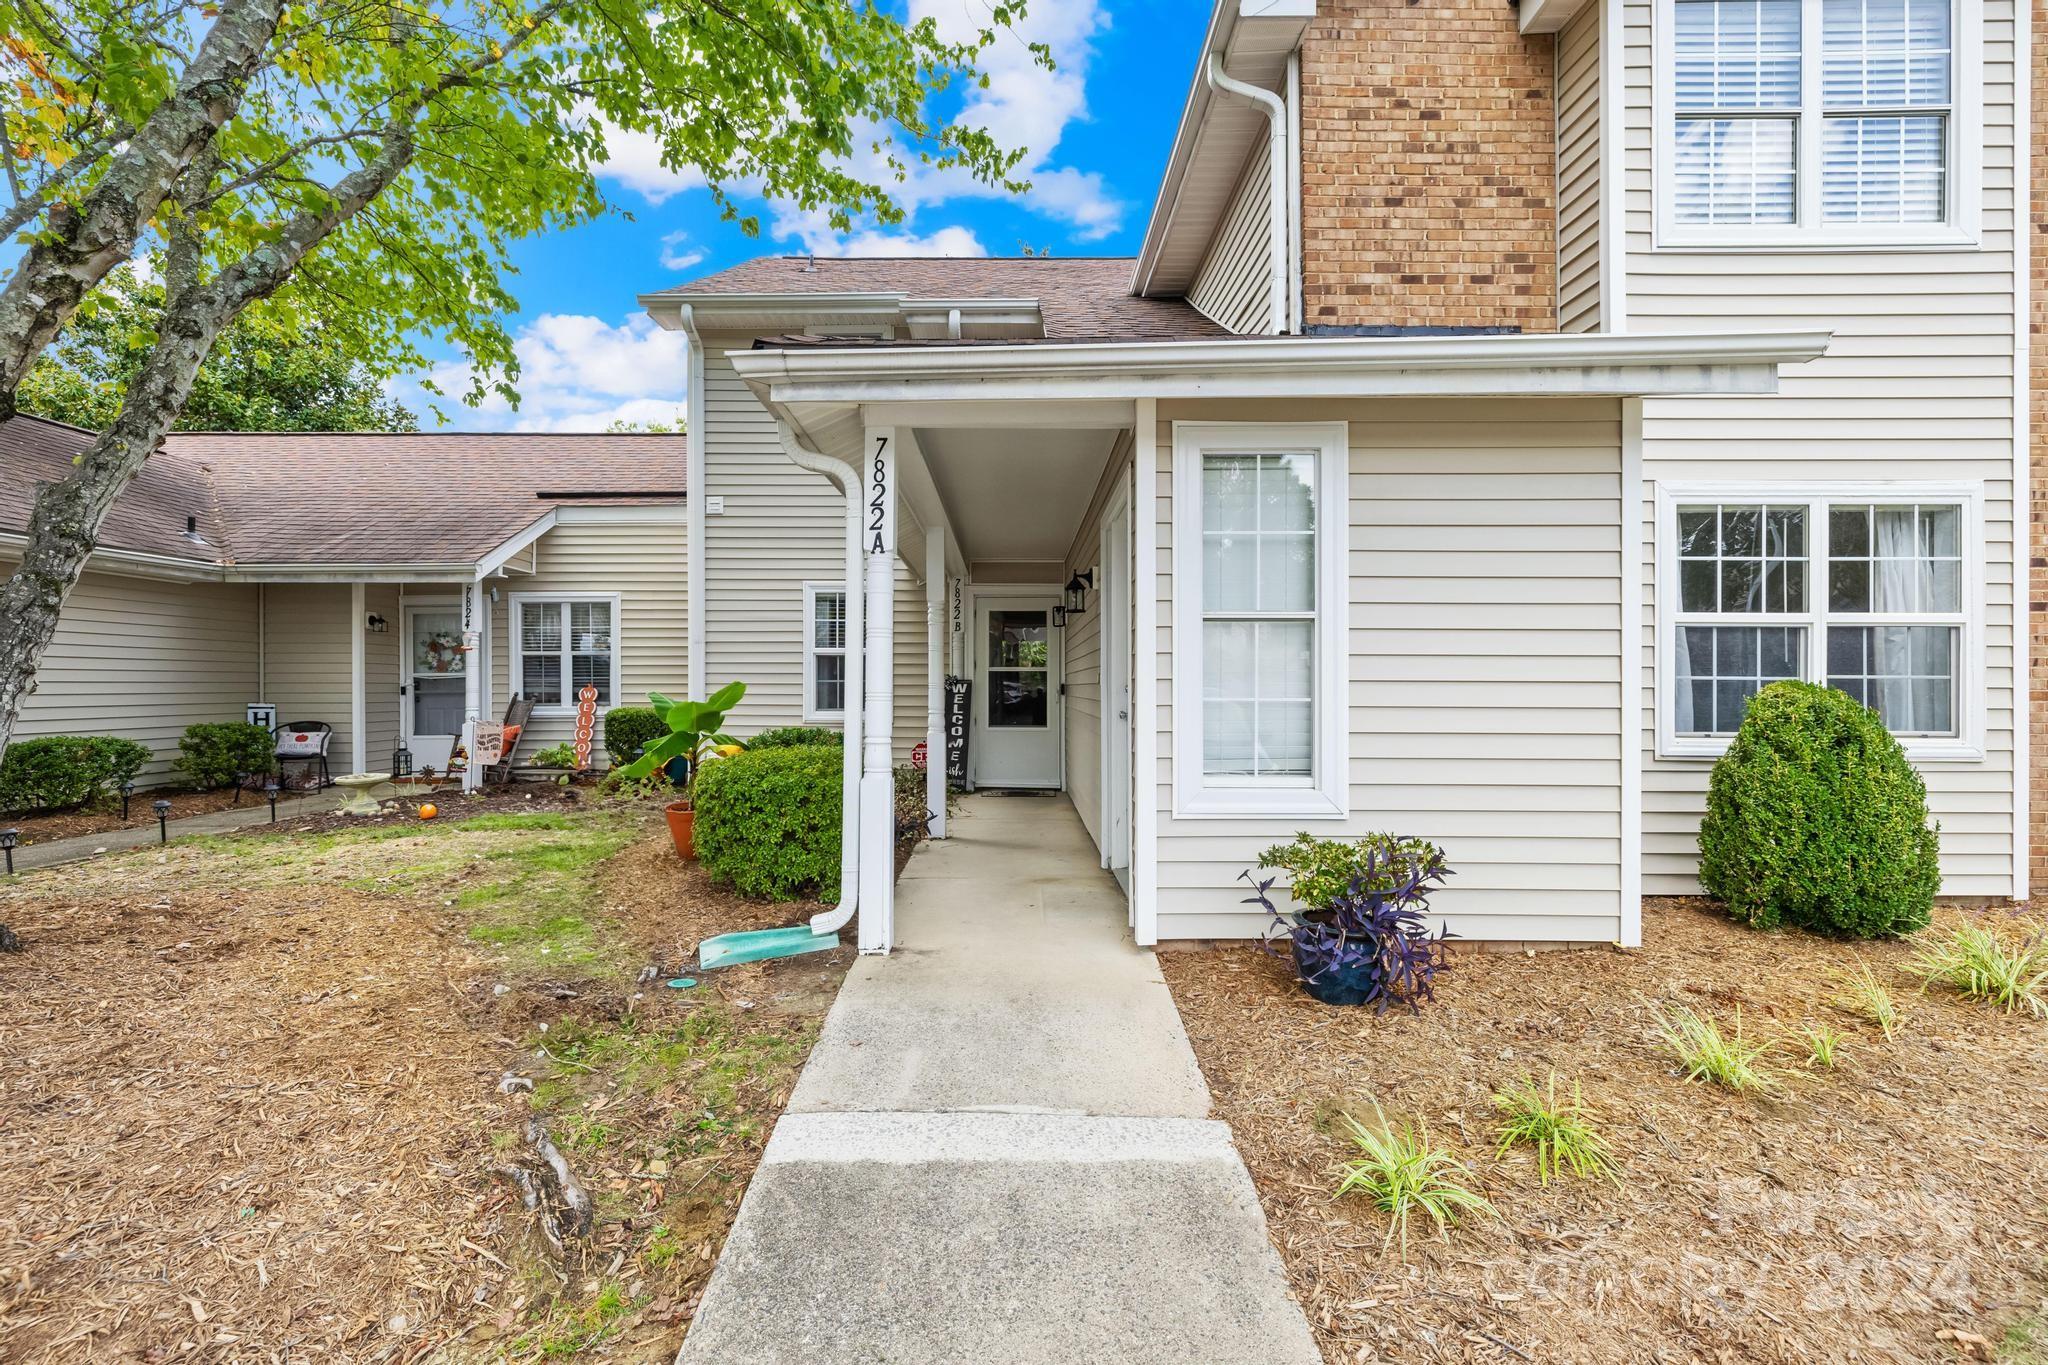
{"points": [[695, 732]]}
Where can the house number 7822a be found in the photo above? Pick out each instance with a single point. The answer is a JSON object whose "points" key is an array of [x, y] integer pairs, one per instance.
{"points": [[878, 500]]}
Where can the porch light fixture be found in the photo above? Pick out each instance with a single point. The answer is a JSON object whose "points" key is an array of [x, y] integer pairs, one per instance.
{"points": [[8, 839], [163, 816], [1077, 592]]}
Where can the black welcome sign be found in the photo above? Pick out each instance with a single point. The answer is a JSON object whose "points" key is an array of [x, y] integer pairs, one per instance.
{"points": [[957, 717]]}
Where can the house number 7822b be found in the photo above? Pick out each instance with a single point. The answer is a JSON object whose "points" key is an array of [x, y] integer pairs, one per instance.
{"points": [[878, 500]]}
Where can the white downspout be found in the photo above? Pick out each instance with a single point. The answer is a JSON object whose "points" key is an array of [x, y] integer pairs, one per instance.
{"points": [[845, 478], [694, 463], [1275, 110], [1296, 313]]}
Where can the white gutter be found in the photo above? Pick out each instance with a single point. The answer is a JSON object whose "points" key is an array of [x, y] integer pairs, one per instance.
{"points": [[1709, 362], [1277, 215], [847, 479], [693, 490]]}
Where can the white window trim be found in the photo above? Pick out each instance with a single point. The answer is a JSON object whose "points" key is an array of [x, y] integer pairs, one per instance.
{"points": [[814, 713], [1965, 178], [1326, 793], [1972, 700], [517, 677]]}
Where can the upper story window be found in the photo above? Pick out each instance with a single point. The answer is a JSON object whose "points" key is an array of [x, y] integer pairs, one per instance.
{"points": [[1789, 122]]}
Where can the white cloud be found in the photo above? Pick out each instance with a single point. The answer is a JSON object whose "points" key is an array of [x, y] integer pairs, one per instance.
{"points": [[818, 237], [675, 255], [578, 373], [634, 160]]}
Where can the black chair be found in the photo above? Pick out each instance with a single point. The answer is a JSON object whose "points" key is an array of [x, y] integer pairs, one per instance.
{"points": [[305, 741]]}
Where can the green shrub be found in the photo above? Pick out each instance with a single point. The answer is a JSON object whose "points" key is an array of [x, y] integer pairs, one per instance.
{"points": [[217, 754], [791, 736], [555, 756], [768, 821], [1322, 869], [913, 816], [1815, 819], [62, 772], [628, 730]]}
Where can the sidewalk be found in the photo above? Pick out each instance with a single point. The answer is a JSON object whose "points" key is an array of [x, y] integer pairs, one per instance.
{"points": [[999, 1151], [253, 811]]}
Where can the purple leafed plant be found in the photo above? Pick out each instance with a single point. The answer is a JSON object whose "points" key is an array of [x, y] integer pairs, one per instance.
{"points": [[1370, 945]]}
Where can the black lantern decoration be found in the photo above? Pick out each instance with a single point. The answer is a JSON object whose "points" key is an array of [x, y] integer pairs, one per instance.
{"points": [[401, 762], [127, 790], [8, 839], [270, 790], [163, 816], [1077, 592]]}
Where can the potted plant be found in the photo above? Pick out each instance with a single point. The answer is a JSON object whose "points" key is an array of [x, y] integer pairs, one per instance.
{"points": [[1357, 931], [694, 734]]}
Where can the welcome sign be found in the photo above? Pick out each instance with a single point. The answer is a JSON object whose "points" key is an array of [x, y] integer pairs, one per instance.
{"points": [[957, 716]]}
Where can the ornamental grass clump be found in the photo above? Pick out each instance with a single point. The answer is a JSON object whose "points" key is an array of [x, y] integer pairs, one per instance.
{"points": [[1860, 993], [1707, 1054], [1979, 963], [1359, 936], [1815, 819], [1403, 1175], [1824, 1047], [1559, 1128]]}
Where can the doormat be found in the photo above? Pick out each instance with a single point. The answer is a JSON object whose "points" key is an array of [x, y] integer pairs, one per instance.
{"points": [[1016, 791]]}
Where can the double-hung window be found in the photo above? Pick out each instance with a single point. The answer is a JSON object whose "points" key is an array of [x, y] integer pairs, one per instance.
{"points": [[1259, 541], [1812, 121], [1868, 589], [562, 644], [824, 651]]}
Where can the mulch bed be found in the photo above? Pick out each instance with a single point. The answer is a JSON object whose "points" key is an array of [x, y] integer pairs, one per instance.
{"points": [[236, 1125], [71, 824], [1889, 1210]]}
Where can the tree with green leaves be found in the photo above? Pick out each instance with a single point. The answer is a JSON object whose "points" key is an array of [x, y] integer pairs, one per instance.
{"points": [[267, 372], [383, 157]]}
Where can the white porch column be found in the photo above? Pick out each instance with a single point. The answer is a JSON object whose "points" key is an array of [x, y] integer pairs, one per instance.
{"points": [[358, 686], [935, 632], [877, 794], [473, 664]]}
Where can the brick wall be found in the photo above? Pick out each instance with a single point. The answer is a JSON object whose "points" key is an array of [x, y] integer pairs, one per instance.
{"points": [[2037, 560], [1428, 172]]}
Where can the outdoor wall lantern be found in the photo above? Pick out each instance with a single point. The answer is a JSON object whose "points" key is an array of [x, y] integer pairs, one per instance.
{"points": [[8, 839], [1077, 592], [163, 816], [401, 762]]}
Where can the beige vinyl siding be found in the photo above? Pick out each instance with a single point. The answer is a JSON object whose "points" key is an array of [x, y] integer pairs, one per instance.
{"points": [[143, 658], [1917, 385], [1578, 173], [912, 711], [1484, 677], [644, 561], [1083, 653], [306, 660], [1234, 286], [383, 652], [781, 526]]}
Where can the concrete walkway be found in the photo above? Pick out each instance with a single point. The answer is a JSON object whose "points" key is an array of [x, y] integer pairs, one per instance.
{"points": [[254, 810], [1000, 1151]]}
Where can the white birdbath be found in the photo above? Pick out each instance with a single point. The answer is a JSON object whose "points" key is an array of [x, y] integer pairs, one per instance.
{"points": [[359, 787]]}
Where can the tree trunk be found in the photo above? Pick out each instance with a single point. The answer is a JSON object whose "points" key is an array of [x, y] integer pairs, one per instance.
{"points": [[80, 245]]}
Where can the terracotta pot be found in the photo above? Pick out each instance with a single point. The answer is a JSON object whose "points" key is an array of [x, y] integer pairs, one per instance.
{"points": [[682, 827]]}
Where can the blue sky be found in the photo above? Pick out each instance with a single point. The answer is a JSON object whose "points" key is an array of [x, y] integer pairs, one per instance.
{"points": [[1095, 133]]}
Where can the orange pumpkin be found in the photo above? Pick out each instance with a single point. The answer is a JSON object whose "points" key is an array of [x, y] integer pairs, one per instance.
{"points": [[429, 811]]}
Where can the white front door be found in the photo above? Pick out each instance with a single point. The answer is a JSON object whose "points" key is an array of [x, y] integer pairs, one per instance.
{"points": [[1016, 740], [1115, 597], [434, 668]]}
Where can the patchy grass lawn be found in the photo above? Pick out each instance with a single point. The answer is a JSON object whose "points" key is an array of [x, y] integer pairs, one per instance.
{"points": [[264, 1090], [1890, 1208]]}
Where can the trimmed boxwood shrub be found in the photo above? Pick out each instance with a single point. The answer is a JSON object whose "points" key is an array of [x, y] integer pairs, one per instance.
{"points": [[628, 730], [789, 736], [768, 821], [62, 772], [215, 755], [1815, 819]]}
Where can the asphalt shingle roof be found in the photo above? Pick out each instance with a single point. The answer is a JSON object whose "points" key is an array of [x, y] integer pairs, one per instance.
{"points": [[1081, 298], [348, 498]]}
